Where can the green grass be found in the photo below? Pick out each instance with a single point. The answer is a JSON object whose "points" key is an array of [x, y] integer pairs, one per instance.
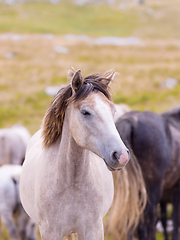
{"points": [[65, 18], [98, 20]]}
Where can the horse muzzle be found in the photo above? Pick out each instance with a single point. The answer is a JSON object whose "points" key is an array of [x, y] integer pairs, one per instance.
{"points": [[117, 160]]}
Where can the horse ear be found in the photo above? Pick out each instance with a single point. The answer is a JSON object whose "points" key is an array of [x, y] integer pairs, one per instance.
{"points": [[77, 81], [70, 74], [108, 76]]}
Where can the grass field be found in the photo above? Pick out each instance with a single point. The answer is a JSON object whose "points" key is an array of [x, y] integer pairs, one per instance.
{"points": [[29, 63], [141, 72]]}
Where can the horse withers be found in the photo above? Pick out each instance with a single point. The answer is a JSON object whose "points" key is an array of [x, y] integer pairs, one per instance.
{"points": [[12, 214], [66, 186]]}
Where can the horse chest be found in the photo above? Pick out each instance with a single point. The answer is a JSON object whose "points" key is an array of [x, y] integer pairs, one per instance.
{"points": [[70, 205]]}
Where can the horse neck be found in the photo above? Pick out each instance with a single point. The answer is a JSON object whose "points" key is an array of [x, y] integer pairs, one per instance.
{"points": [[73, 160]]}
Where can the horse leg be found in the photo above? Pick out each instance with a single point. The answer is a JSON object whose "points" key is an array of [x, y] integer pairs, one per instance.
{"points": [[130, 235], [21, 221], [31, 230], [176, 209], [7, 220], [164, 219], [142, 230], [147, 226], [48, 233], [26, 225]]}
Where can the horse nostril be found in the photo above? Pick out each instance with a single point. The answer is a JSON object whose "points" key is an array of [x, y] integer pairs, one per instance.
{"points": [[116, 156]]}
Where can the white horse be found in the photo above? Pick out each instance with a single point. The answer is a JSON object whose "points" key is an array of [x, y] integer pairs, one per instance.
{"points": [[65, 183], [12, 214], [13, 143]]}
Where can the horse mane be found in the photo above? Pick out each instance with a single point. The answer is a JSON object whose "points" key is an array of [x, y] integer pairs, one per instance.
{"points": [[172, 112], [172, 117], [53, 120]]}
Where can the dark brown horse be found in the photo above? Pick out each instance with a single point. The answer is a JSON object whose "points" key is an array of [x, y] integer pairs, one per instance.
{"points": [[154, 141]]}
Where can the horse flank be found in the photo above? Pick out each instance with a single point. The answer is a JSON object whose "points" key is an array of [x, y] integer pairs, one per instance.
{"points": [[54, 117]]}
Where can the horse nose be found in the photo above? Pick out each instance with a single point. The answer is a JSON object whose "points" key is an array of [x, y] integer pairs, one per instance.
{"points": [[121, 157]]}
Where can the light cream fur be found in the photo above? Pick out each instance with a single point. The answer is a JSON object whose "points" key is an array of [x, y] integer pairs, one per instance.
{"points": [[66, 187]]}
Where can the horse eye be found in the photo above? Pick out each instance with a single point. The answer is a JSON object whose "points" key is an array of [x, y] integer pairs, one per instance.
{"points": [[84, 112]]}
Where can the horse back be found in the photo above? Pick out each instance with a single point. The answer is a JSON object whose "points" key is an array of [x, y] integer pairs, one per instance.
{"points": [[145, 133]]}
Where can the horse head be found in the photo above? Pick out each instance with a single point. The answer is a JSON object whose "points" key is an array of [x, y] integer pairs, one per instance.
{"points": [[90, 114]]}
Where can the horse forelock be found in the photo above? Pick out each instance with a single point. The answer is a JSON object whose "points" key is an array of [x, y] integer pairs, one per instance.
{"points": [[53, 120]]}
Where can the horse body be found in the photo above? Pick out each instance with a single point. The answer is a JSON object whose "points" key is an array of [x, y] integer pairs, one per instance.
{"points": [[75, 189], [148, 138], [172, 117], [146, 133], [10, 204], [154, 141], [66, 187], [13, 143], [171, 181]]}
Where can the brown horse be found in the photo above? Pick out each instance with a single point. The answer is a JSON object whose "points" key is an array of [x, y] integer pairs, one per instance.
{"points": [[154, 141]]}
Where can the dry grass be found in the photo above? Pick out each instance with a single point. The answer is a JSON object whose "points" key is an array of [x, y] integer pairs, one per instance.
{"points": [[140, 73]]}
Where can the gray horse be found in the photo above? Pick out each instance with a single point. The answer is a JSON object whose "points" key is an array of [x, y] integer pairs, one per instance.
{"points": [[13, 216], [13, 143], [66, 185]]}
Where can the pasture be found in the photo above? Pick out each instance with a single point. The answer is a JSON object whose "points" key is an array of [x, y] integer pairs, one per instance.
{"points": [[30, 34]]}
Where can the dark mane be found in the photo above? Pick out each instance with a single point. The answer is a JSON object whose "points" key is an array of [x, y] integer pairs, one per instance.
{"points": [[172, 112], [54, 117]]}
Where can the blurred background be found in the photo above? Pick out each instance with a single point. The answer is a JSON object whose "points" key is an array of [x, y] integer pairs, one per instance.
{"points": [[41, 40]]}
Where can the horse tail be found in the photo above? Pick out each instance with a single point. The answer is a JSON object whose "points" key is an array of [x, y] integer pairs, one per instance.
{"points": [[130, 195], [4, 151]]}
